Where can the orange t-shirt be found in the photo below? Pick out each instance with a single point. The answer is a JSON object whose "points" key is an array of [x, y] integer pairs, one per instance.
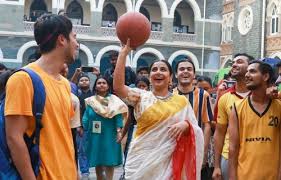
{"points": [[56, 145]]}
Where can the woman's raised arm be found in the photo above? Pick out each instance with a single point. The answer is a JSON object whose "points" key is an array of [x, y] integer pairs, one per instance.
{"points": [[119, 86]]}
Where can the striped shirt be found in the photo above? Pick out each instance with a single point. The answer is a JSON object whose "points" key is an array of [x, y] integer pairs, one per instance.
{"points": [[200, 102]]}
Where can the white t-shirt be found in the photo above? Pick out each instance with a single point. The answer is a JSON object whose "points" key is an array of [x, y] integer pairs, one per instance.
{"points": [[75, 121]]}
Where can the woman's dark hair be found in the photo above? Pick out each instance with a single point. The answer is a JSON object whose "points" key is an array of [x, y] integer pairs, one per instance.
{"points": [[204, 78], [164, 61], [48, 27], [95, 84], [143, 79]]}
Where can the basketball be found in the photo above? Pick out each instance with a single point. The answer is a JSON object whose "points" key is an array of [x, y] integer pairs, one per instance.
{"points": [[135, 26]]}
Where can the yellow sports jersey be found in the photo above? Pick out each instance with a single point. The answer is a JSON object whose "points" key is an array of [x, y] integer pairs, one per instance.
{"points": [[259, 150], [224, 109]]}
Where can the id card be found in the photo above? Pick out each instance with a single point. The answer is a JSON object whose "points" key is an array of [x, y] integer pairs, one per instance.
{"points": [[96, 127]]}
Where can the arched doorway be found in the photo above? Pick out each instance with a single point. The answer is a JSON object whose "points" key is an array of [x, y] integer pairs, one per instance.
{"points": [[75, 12], [145, 12], [184, 18], [37, 8], [152, 9], [105, 61], [30, 55], [146, 59]]}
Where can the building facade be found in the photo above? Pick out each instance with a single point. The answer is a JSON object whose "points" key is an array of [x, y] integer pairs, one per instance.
{"points": [[251, 26], [180, 28]]}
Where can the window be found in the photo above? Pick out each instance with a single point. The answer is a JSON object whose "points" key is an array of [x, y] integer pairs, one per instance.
{"points": [[145, 12], [109, 16], [37, 8], [75, 12], [274, 21], [245, 20], [228, 33], [223, 33]]}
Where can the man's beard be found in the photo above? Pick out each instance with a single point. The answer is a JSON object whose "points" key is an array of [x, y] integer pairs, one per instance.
{"points": [[69, 59], [252, 87]]}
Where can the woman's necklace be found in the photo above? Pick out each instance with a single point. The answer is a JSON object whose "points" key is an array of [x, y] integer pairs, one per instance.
{"points": [[164, 97]]}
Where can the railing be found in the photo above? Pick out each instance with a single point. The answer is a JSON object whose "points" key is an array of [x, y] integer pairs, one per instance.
{"points": [[28, 25], [156, 35], [108, 32], [183, 37], [111, 32], [80, 29]]}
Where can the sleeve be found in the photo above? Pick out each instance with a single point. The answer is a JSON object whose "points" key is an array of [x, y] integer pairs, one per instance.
{"points": [[76, 122], [134, 96], [207, 111], [85, 119], [222, 117], [119, 121], [19, 95]]}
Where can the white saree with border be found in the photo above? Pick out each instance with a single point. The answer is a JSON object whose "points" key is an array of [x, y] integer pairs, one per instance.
{"points": [[152, 154]]}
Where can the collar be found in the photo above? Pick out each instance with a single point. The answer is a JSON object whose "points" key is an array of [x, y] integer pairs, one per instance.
{"points": [[232, 90], [182, 93]]}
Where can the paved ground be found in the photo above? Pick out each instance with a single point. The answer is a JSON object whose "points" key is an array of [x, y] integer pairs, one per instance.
{"points": [[117, 173]]}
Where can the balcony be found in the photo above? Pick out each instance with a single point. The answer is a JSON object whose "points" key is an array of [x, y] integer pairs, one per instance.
{"points": [[28, 26], [79, 29], [108, 32], [111, 32], [183, 37], [156, 35]]}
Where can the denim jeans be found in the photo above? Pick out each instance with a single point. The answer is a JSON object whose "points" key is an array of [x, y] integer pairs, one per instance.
{"points": [[224, 167], [82, 158]]}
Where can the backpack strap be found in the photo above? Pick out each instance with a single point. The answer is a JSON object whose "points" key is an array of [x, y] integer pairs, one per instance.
{"points": [[39, 99]]}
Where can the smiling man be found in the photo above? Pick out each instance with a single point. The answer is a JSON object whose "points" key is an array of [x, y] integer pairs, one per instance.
{"points": [[238, 91], [254, 129], [58, 45], [198, 98]]}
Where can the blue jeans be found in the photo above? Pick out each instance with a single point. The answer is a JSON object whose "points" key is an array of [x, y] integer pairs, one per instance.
{"points": [[224, 168], [82, 158]]}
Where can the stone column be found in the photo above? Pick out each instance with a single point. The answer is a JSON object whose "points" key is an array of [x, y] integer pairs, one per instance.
{"points": [[96, 18], [167, 28]]}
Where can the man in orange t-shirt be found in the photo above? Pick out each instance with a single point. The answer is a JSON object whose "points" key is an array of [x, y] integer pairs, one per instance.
{"points": [[58, 45]]}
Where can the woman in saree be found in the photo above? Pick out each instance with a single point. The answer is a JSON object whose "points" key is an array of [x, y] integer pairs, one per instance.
{"points": [[167, 143], [102, 122]]}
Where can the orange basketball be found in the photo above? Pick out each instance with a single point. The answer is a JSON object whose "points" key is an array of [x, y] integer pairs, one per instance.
{"points": [[135, 26]]}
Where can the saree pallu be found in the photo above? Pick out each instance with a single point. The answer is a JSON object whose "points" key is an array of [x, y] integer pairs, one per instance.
{"points": [[152, 154]]}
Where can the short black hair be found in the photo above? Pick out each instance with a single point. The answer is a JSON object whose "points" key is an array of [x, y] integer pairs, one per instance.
{"points": [[185, 60], [48, 27], [249, 57], [3, 67], [113, 54], [83, 75], [141, 68], [164, 61], [143, 79], [265, 68], [204, 78]]}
